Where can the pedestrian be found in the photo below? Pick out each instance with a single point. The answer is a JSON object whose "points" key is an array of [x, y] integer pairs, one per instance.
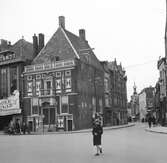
{"points": [[17, 126], [11, 129], [154, 121], [97, 133], [24, 128], [149, 121]]}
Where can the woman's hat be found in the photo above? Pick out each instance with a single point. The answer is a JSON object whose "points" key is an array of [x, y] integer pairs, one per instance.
{"points": [[97, 121]]}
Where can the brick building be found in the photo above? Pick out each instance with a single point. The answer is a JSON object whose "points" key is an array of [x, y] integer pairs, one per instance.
{"points": [[115, 110], [13, 58], [64, 85]]}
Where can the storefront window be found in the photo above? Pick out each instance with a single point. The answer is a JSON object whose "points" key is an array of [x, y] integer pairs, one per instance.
{"points": [[3, 83], [13, 79]]}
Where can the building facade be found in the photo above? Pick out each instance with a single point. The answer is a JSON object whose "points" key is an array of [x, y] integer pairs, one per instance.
{"points": [[134, 104], [108, 110], [146, 102], [115, 94], [64, 84], [13, 58], [162, 89]]}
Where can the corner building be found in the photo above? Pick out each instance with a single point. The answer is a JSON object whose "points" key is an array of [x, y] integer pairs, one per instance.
{"points": [[13, 58], [64, 86]]}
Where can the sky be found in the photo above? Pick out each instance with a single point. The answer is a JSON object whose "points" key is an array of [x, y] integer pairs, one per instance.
{"points": [[132, 31]]}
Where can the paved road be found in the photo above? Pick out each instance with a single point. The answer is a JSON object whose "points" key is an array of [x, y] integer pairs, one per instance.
{"points": [[127, 145]]}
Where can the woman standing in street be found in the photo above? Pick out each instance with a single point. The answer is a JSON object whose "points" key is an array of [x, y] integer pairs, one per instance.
{"points": [[97, 132]]}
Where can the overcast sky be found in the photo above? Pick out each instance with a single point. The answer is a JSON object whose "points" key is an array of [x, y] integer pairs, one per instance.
{"points": [[132, 31]]}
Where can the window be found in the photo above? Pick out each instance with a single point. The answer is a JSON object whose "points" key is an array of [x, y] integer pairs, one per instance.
{"points": [[3, 83], [68, 83], [13, 79], [58, 84], [43, 76], [47, 87], [58, 74], [38, 77], [68, 73], [29, 88], [64, 101], [38, 86]]}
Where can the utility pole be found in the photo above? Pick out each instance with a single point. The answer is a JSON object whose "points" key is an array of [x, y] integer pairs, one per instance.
{"points": [[164, 116], [166, 33]]}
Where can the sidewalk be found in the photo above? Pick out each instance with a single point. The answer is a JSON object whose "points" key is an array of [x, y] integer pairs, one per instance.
{"points": [[79, 131], [157, 129], [85, 130]]}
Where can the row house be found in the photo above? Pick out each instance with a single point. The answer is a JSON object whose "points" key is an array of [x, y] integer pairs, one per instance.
{"points": [[162, 89], [13, 58], [157, 103], [63, 87], [108, 111], [118, 93], [115, 94]]}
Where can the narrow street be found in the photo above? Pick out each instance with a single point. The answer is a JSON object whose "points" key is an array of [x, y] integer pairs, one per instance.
{"points": [[127, 145]]}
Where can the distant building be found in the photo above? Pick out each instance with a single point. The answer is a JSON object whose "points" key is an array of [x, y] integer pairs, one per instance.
{"points": [[13, 58], [134, 104], [146, 102], [64, 87]]}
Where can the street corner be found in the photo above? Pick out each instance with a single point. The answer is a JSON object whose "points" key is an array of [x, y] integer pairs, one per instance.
{"points": [[159, 129]]}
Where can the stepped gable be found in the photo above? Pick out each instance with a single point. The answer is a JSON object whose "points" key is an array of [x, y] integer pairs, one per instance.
{"points": [[66, 45], [23, 49]]}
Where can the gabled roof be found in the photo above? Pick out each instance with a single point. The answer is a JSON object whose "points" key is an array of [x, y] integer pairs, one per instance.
{"points": [[66, 45]]}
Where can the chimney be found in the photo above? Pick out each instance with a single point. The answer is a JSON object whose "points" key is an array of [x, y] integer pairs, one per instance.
{"points": [[62, 21], [3, 44], [35, 46], [41, 41], [82, 34]]}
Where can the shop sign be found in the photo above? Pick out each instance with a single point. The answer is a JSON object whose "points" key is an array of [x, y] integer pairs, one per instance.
{"points": [[11, 105], [7, 57]]}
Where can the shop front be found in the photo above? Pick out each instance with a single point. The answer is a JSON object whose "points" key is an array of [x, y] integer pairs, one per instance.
{"points": [[10, 110]]}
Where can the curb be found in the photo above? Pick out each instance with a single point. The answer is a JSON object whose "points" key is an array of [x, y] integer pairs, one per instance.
{"points": [[83, 131], [157, 132]]}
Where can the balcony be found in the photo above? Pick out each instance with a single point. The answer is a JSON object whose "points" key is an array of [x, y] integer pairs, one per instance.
{"points": [[49, 66], [47, 93]]}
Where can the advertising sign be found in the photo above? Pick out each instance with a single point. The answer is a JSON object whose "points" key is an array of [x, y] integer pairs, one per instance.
{"points": [[60, 122], [11, 105]]}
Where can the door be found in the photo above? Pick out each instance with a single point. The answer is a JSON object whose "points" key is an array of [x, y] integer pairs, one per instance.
{"points": [[46, 116], [69, 125]]}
